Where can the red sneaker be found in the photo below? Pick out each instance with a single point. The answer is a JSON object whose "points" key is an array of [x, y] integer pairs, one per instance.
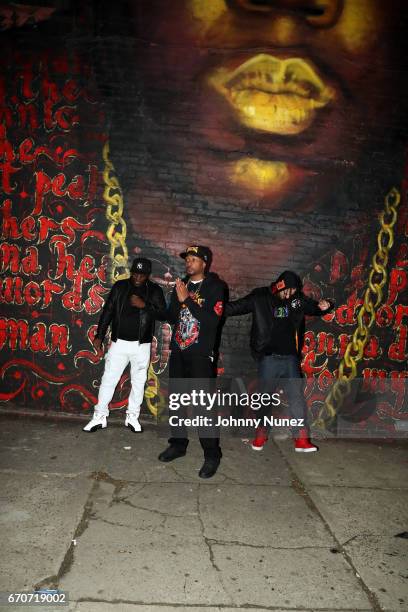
{"points": [[260, 439], [303, 443]]}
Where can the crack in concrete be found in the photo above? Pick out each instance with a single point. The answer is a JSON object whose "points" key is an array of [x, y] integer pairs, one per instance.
{"points": [[118, 500], [151, 510], [265, 546], [352, 486], [117, 484], [219, 606], [227, 480], [72, 475], [141, 470], [385, 536], [172, 467], [301, 490], [115, 524], [67, 563], [207, 542], [350, 540], [126, 497], [217, 483]]}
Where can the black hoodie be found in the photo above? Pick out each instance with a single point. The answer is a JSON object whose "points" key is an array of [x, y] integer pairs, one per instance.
{"points": [[197, 320], [277, 325]]}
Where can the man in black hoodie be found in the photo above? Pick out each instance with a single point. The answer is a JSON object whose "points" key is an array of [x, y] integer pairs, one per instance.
{"points": [[278, 314], [196, 309]]}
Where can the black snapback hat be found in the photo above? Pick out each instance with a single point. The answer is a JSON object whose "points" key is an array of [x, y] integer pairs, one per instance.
{"points": [[203, 252]]}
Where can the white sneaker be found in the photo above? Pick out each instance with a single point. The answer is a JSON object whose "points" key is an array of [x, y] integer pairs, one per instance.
{"points": [[132, 422], [98, 421]]}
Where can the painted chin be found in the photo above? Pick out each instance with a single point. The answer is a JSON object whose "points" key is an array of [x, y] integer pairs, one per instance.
{"points": [[266, 178], [245, 163], [266, 183]]}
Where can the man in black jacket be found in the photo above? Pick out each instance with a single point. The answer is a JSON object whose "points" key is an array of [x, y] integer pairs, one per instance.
{"points": [[278, 314], [130, 309], [196, 307]]}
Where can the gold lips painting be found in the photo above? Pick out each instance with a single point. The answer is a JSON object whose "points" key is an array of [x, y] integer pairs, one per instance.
{"points": [[278, 96]]}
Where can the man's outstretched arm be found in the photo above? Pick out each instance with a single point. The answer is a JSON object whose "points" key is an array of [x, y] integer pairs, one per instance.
{"points": [[317, 309], [243, 306]]}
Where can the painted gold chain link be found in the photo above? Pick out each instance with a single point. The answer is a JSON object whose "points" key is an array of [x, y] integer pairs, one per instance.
{"points": [[116, 232], [154, 398], [367, 313], [119, 257]]}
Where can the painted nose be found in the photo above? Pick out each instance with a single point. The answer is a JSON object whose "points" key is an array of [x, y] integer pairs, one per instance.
{"points": [[319, 13]]}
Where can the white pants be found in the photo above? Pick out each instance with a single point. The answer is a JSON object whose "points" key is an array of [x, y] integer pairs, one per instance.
{"points": [[116, 360]]}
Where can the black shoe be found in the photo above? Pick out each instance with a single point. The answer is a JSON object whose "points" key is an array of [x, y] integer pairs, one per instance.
{"points": [[210, 466], [172, 452]]}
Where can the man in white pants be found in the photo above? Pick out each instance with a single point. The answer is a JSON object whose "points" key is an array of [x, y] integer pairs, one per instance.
{"points": [[130, 309]]}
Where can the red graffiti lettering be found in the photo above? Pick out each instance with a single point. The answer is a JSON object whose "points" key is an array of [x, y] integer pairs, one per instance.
{"points": [[65, 261], [372, 349], [398, 282], [15, 332], [59, 186], [346, 314], [398, 349], [10, 259], [40, 339], [32, 293], [384, 316], [9, 228], [95, 300], [59, 339], [339, 267]]}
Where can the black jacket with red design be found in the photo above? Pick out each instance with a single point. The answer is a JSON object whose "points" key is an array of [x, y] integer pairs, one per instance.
{"points": [[197, 321]]}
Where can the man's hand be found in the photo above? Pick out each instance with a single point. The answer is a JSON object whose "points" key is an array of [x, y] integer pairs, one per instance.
{"points": [[98, 345], [181, 290], [137, 301], [324, 305]]}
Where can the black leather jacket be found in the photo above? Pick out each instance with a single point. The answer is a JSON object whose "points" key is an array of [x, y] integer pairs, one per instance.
{"points": [[115, 301], [258, 303]]}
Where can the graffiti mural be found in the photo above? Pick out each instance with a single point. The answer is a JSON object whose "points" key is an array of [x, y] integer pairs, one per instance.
{"points": [[53, 249], [274, 131]]}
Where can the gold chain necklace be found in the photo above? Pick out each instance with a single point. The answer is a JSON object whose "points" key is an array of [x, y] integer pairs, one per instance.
{"points": [[197, 291]]}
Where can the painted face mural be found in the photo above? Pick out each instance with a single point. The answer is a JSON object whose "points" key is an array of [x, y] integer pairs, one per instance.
{"points": [[277, 98], [271, 130]]}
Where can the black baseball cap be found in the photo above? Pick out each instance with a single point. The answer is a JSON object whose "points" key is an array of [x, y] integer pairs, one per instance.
{"points": [[141, 265], [287, 280], [203, 252]]}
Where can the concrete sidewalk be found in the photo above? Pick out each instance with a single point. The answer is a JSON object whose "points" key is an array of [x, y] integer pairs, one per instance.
{"points": [[98, 516]]}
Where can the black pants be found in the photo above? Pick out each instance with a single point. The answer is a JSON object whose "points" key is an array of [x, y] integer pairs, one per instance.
{"points": [[184, 366], [284, 370]]}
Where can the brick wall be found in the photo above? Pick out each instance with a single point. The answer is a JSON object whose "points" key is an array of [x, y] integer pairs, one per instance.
{"points": [[140, 81]]}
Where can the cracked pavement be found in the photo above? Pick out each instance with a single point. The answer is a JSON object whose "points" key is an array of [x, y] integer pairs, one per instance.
{"points": [[118, 530]]}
